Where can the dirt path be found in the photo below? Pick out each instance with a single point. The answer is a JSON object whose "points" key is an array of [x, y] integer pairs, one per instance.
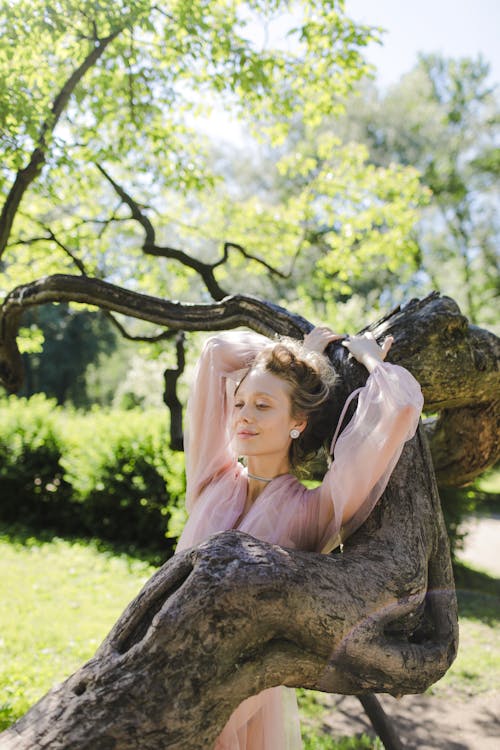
{"points": [[432, 722], [426, 722], [482, 544]]}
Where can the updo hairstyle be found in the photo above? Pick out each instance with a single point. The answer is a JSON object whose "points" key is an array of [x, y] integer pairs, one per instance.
{"points": [[311, 379]]}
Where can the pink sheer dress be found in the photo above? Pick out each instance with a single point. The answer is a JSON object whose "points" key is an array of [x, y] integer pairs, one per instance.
{"points": [[286, 512]]}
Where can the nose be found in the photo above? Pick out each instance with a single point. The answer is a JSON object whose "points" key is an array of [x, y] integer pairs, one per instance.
{"points": [[245, 413]]}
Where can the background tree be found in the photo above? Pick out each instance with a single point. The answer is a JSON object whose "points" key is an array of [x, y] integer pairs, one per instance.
{"points": [[443, 118], [72, 340]]}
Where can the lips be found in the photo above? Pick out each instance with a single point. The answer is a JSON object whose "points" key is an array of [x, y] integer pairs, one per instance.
{"points": [[245, 434]]}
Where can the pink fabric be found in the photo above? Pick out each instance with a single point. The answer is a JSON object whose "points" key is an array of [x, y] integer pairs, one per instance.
{"points": [[286, 512]]}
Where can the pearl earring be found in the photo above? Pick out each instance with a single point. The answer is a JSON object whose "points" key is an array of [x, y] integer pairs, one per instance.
{"points": [[294, 433]]}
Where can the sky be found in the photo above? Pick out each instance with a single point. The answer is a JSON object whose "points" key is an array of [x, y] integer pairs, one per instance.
{"points": [[455, 28]]}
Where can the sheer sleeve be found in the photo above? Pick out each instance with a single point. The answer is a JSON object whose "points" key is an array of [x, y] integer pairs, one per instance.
{"points": [[367, 451], [206, 435]]}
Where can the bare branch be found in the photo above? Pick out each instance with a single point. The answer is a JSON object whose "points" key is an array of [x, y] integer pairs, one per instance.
{"points": [[171, 377], [237, 310], [205, 270], [135, 209], [163, 336], [235, 246], [78, 263], [51, 237]]}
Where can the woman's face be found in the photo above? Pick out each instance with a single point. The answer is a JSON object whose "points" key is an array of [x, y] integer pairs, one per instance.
{"points": [[262, 421]]}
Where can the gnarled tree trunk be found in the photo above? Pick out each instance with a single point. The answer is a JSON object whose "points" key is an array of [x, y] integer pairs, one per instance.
{"points": [[234, 615]]}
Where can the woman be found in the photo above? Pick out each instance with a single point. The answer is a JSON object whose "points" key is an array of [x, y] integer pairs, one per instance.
{"points": [[267, 402]]}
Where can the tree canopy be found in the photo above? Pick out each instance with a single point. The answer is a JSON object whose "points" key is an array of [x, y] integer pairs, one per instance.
{"points": [[107, 170]]}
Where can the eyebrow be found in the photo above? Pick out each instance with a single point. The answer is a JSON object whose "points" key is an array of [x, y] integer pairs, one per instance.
{"points": [[260, 393]]}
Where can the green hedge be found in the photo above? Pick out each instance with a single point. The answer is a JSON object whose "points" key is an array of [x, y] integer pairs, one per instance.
{"points": [[109, 475]]}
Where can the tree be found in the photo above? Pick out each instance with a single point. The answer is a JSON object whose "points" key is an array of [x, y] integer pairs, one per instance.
{"points": [[148, 61], [72, 340], [168, 678], [115, 145], [442, 118]]}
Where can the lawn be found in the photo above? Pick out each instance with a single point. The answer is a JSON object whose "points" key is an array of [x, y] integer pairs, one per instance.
{"points": [[62, 598]]}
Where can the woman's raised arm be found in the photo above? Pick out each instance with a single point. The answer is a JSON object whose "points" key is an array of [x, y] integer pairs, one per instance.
{"points": [[368, 449], [206, 434]]}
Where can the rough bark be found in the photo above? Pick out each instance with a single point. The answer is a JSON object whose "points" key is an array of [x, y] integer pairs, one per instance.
{"points": [[456, 363], [170, 397], [233, 616]]}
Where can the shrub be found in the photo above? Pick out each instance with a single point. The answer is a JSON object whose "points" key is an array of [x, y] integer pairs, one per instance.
{"points": [[109, 475], [32, 485], [124, 474]]}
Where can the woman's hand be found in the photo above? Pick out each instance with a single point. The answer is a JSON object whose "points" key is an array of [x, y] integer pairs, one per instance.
{"points": [[318, 339], [365, 349]]}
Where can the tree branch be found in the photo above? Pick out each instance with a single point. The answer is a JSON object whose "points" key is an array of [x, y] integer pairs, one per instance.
{"points": [[170, 397], [135, 209], [51, 237], [205, 270], [237, 310], [235, 246], [28, 174], [163, 336], [456, 364]]}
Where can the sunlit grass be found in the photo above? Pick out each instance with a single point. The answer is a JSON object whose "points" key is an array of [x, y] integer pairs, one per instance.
{"points": [[490, 482], [59, 600], [477, 666]]}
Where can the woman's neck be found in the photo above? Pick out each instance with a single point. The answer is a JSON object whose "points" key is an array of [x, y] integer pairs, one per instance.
{"points": [[261, 471]]}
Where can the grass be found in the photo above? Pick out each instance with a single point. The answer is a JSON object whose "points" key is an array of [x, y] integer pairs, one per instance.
{"points": [[63, 597], [313, 707], [477, 666]]}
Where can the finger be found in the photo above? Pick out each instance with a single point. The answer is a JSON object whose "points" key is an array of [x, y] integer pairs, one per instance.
{"points": [[388, 342], [329, 335], [324, 330]]}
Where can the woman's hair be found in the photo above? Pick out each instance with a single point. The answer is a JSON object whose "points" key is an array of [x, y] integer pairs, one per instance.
{"points": [[311, 379]]}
